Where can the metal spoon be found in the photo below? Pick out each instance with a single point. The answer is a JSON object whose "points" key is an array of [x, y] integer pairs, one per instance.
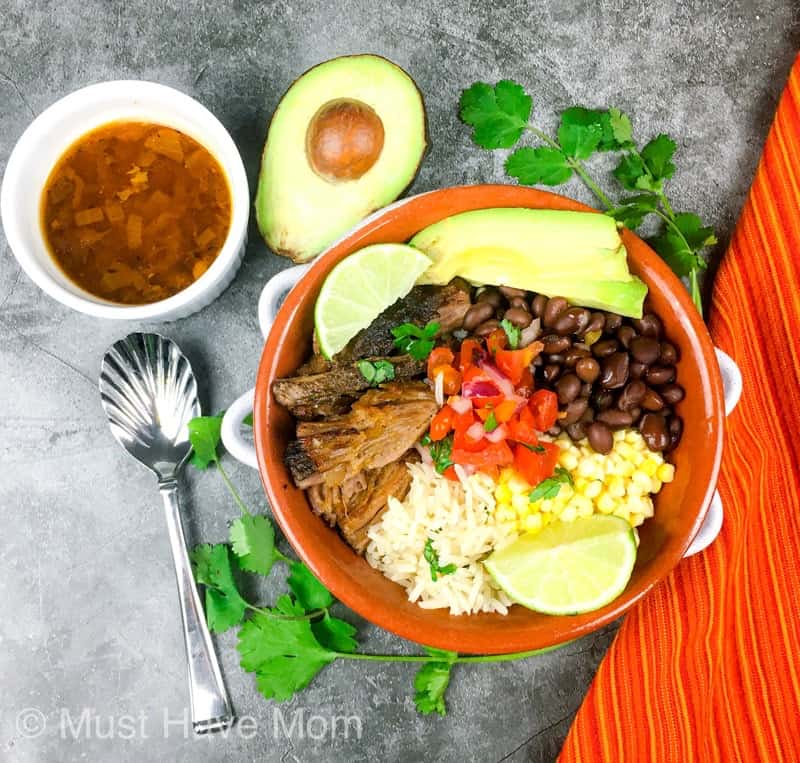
{"points": [[149, 394]]}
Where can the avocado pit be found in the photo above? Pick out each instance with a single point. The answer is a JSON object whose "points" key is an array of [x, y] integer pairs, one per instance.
{"points": [[344, 140]]}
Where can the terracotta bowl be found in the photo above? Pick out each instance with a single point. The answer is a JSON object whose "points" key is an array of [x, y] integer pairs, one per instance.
{"points": [[679, 508]]}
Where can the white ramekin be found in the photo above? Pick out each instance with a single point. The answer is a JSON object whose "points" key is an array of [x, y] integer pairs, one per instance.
{"points": [[48, 137]]}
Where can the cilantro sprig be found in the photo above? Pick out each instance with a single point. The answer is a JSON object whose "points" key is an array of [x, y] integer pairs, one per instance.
{"points": [[500, 115], [287, 645], [441, 451], [417, 342], [376, 372], [550, 487], [431, 556], [513, 334]]}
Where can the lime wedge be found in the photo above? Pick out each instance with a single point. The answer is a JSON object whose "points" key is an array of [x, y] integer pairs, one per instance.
{"points": [[360, 288], [569, 567]]}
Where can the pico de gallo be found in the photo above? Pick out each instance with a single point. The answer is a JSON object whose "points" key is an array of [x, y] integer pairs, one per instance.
{"points": [[491, 415]]}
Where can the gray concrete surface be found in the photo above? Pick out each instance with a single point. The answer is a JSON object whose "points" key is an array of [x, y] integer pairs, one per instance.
{"points": [[89, 607]]}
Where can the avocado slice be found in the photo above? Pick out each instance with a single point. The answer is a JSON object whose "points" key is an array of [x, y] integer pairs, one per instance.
{"points": [[576, 255], [347, 138]]}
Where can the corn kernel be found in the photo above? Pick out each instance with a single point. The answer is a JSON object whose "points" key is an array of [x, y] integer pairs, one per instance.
{"points": [[635, 519], [588, 469], [518, 485], [502, 494], [568, 460], [593, 489], [546, 505], [519, 501], [655, 485], [649, 467], [642, 480], [666, 472], [583, 505], [632, 436], [605, 503], [533, 523], [616, 487], [570, 514], [619, 435], [581, 484], [506, 475]]}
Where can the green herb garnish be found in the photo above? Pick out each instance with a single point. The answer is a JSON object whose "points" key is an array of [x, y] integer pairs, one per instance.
{"points": [[432, 558], [512, 332], [288, 644], [440, 451], [534, 448], [550, 487], [376, 372], [500, 115], [417, 342], [491, 423]]}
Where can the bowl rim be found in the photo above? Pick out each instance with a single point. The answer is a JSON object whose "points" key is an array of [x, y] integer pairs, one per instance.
{"points": [[72, 107], [358, 598]]}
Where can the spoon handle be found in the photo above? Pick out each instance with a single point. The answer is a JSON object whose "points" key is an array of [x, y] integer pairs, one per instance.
{"points": [[211, 708]]}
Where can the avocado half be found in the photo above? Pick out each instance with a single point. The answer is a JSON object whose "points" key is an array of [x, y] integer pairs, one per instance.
{"points": [[347, 138]]}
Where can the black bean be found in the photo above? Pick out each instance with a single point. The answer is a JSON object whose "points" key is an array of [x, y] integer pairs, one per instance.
{"points": [[554, 430], [648, 325], [555, 306], [672, 393], [538, 361], [587, 369], [675, 431], [554, 343], [604, 348], [632, 395], [557, 357], [653, 427], [586, 389], [645, 349], [519, 302], [666, 412], [574, 355], [490, 295], [486, 328], [518, 316], [509, 291], [576, 431], [668, 354], [614, 370], [637, 369], [652, 401], [575, 410], [603, 400], [597, 322], [538, 304], [600, 437], [660, 375], [613, 322], [635, 413], [572, 321], [615, 418], [625, 334], [568, 388], [477, 314], [551, 372]]}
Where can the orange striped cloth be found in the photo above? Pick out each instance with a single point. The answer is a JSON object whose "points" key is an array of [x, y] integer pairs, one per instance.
{"points": [[707, 667]]}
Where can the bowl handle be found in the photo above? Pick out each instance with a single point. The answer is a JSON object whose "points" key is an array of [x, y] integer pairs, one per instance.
{"points": [[732, 391], [270, 300]]}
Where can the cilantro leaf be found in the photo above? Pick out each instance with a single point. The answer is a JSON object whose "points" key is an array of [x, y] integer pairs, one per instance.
{"points": [[248, 420], [441, 452], [376, 372], [633, 209], [204, 434], [657, 155], [542, 165], [621, 131], [550, 487], [632, 174], [417, 342], [491, 423], [308, 591], [534, 448], [212, 567], [580, 132], [284, 654], [335, 634], [512, 333], [253, 541], [680, 252], [430, 685], [432, 558], [498, 115]]}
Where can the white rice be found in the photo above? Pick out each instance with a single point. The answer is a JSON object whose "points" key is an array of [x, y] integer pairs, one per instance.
{"points": [[459, 517]]}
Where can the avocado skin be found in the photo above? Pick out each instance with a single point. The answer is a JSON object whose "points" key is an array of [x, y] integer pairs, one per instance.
{"points": [[277, 225]]}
